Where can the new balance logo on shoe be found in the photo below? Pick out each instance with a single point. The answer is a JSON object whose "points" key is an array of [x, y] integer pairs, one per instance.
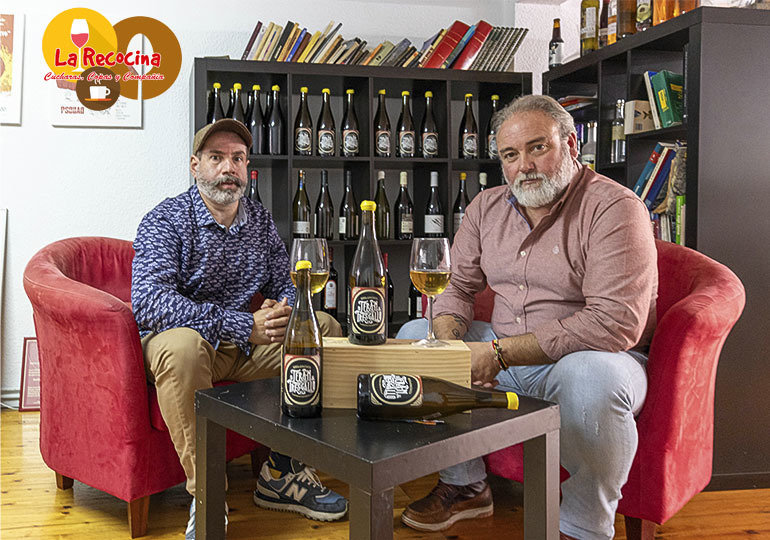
{"points": [[296, 492]]}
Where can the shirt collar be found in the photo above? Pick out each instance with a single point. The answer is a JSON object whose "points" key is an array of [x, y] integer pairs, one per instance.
{"points": [[204, 217]]}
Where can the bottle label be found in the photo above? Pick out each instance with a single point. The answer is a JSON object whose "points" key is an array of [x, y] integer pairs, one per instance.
{"points": [[343, 225], [407, 223], [588, 160], [612, 32], [617, 133], [392, 389], [326, 142], [555, 53], [470, 145], [406, 143], [368, 309], [434, 224], [458, 219], [589, 23], [302, 139], [430, 144], [300, 227], [301, 379], [383, 142], [350, 141], [492, 145], [330, 295]]}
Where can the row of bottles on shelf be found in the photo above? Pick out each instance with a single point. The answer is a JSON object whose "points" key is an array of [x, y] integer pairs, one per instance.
{"points": [[398, 223], [607, 21], [268, 129], [587, 138]]}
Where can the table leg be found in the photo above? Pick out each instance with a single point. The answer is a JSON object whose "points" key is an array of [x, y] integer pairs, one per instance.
{"points": [[210, 480], [541, 487], [371, 514]]}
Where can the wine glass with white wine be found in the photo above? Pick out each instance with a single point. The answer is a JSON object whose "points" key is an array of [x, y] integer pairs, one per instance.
{"points": [[430, 269], [316, 251]]}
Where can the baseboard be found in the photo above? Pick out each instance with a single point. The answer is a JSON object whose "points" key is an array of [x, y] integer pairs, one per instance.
{"points": [[10, 398], [726, 482]]}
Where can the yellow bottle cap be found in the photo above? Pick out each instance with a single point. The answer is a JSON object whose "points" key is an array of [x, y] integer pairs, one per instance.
{"points": [[303, 89], [495, 97], [350, 91], [468, 95], [276, 88], [513, 399], [307, 265], [463, 176], [405, 93], [237, 86], [382, 91], [217, 85], [369, 206], [256, 87], [428, 94], [325, 91]]}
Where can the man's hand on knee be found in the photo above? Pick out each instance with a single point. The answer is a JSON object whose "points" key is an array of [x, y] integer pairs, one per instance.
{"points": [[270, 323]]}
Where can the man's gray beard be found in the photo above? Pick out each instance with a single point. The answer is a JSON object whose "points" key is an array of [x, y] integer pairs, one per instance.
{"points": [[550, 188], [220, 196]]}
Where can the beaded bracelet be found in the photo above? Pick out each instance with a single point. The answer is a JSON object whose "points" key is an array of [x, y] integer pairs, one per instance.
{"points": [[499, 354]]}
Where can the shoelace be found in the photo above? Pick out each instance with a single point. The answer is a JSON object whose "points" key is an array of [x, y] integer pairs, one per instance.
{"points": [[309, 476]]}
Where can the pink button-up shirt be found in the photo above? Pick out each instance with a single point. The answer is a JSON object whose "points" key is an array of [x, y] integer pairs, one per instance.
{"points": [[585, 278]]}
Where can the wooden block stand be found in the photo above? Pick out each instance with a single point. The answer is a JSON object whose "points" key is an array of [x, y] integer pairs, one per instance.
{"points": [[343, 362]]}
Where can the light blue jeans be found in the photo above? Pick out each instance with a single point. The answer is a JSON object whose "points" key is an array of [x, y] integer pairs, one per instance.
{"points": [[598, 393]]}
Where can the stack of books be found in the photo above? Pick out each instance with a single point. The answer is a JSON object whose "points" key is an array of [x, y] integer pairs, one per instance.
{"points": [[665, 91], [574, 103], [478, 47]]}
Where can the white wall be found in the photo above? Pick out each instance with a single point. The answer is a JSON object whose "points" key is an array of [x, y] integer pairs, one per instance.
{"points": [[63, 182]]}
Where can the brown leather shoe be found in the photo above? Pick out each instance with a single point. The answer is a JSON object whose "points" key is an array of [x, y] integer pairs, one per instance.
{"points": [[447, 504]]}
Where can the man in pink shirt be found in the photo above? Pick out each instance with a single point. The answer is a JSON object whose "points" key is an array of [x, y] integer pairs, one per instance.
{"points": [[571, 258]]}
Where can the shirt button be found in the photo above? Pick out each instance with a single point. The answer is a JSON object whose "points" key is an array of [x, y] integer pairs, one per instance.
{"points": [[523, 253], [518, 320], [521, 287]]}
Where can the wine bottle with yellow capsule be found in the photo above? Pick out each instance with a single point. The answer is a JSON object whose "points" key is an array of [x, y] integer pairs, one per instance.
{"points": [[367, 304], [301, 366], [391, 396]]}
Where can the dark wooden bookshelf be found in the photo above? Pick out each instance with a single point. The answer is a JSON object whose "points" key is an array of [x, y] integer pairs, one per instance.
{"points": [[278, 174], [728, 187]]}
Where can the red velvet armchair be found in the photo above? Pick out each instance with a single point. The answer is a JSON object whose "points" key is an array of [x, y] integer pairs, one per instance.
{"points": [[99, 419], [699, 301]]}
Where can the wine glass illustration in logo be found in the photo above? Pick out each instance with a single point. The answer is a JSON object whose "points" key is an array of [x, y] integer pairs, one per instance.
{"points": [[79, 36]]}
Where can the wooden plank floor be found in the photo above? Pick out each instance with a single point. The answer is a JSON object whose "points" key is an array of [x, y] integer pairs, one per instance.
{"points": [[32, 507]]}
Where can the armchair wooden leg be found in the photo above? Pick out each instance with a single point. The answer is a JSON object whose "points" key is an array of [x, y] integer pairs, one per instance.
{"points": [[639, 529], [258, 457], [63, 482], [137, 516]]}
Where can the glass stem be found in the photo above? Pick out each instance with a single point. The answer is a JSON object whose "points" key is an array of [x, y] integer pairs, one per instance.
{"points": [[431, 336]]}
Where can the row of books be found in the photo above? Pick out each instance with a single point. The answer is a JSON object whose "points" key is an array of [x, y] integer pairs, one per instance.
{"points": [[665, 91], [479, 47]]}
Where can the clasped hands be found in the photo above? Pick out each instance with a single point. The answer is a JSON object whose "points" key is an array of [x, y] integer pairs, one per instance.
{"points": [[270, 322]]}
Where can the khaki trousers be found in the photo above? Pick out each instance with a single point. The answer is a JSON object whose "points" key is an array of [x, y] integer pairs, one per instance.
{"points": [[179, 361]]}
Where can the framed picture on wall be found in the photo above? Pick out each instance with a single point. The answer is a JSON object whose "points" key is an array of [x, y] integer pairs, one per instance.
{"points": [[29, 399], [11, 63]]}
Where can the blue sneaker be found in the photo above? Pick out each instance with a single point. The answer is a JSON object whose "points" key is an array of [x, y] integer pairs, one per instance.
{"points": [[298, 489], [189, 533]]}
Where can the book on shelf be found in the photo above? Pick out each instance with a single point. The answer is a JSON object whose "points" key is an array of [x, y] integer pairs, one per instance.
{"points": [[411, 61], [426, 45], [362, 54], [302, 38], [474, 45], [262, 40], [315, 42], [506, 40], [458, 48], [309, 47], [287, 30], [371, 55], [507, 61], [404, 56], [343, 48], [429, 51], [252, 39], [303, 45], [652, 161], [396, 52], [658, 178], [387, 46], [681, 219], [651, 97], [356, 53], [271, 43], [447, 44], [573, 103], [668, 88], [325, 42], [286, 48], [330, 51]]}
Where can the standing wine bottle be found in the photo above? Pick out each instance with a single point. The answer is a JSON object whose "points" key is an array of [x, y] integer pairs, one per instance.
{"points": [[230, 103], [490, 138], [404, 211], [604, 24], [384, 396], [300, 210], [276, 130], [256, 122], [216, 112], [327, 133], [414, 309], [618, 147], [469, 134], [405, 129], [368, 300], [428, 129], [348, 225], [382, 133], [303, 127], [556, 46], [612, 22], [382, 215], [324, 210], [302, 354], [390, 287], [237, 113], [350, 132], [589, 26], [643, 15], [329, 293], [461, 203], [482, 181], [254, 187], [434, 214], [626, 18]]}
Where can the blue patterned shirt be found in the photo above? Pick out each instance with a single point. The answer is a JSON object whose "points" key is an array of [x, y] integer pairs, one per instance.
{"points": [[190, 271]]}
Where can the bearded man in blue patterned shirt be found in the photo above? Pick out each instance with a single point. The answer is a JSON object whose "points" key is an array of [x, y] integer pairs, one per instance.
{"points": [[200, 258]]}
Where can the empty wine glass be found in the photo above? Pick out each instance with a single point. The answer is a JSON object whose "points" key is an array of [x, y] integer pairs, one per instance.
{"points": [[430, 270], [79, 37], [316, 251]]}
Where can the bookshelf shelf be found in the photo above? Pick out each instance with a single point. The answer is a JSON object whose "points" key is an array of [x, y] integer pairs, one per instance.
{"points": [[727, 191]]}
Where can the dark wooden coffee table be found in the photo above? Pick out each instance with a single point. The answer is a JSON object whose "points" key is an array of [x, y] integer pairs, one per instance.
{"points": [[374, 457]]}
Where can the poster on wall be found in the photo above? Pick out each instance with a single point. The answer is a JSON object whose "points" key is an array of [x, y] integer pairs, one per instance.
{"points": [[11, 62]]}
